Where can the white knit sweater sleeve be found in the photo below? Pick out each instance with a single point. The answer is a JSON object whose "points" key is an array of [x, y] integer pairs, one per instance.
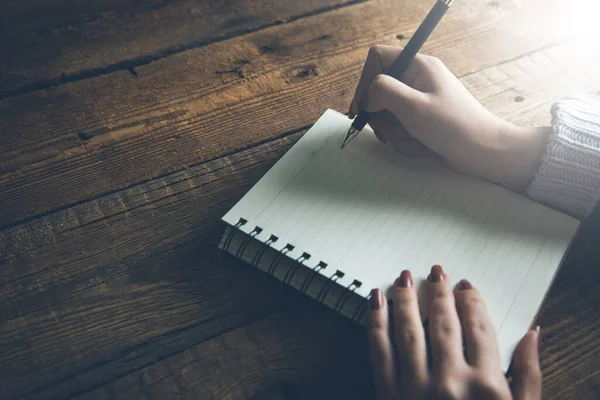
{"points": [[569, 175]]}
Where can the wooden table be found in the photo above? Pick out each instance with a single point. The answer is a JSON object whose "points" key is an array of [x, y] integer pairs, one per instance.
{"points": [[127, 129]]}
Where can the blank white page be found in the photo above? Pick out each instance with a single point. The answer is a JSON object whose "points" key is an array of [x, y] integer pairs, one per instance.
{"points": [[369, 212]]}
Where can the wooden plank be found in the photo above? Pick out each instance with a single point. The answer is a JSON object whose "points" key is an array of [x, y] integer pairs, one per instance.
{"points": [[45, 44], [208, 189], [532, 77], [570, 337], [300, 360], [587, 389], [111, 291], [101, 289], [278, 357], [123, 289], [84, 139]]}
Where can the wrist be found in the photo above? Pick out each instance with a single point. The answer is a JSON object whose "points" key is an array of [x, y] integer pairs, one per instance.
{"points": [[521, 157]]}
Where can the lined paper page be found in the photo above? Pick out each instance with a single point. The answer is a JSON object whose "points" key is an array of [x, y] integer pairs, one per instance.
{"points": [[370, 213]]}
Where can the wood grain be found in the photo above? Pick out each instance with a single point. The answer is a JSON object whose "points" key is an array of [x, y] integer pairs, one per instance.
{"points": [[81, 140], [127, 295], [48, 43], [104, 288], [570, 320], [586, 389], [111, 188], [278, 357]]}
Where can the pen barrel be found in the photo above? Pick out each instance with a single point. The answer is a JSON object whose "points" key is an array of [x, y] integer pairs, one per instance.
{"points": [[417, 40], [361, 120]]}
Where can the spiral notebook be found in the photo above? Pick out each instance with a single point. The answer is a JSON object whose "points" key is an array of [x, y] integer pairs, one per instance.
{"points": [[335, 224]]}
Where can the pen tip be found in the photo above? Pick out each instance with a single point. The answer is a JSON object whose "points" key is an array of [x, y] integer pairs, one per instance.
{"points": [[352, 132]]}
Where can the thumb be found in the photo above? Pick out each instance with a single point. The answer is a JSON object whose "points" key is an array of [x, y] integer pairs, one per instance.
{"points": [[527, 377], [389, 93]]}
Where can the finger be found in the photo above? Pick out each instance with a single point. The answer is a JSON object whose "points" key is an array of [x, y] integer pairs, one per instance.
{"points": [[444, 326], [387, 124], [379, 59], [409, 333], [477, 328], [411, 148], [526, 374], [399, 132], [387, 93], [383, 123], [388, 130], [380, 136], [381, 349]]}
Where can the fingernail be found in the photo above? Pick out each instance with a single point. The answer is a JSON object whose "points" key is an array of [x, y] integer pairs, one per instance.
{"points": [[464, 285], [405, 280], [539, 337], [437, 273], [375, 302]]}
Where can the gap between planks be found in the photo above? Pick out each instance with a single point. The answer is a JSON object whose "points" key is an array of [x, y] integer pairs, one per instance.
{"points": [[130, 64], [162, 176], [227, 113]]}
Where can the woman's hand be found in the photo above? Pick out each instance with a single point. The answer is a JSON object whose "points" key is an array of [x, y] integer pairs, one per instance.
{"points": [[431, 105], [404, 367]]}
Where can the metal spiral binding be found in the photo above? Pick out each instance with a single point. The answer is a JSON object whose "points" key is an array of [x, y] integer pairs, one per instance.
{"points": [[275, 263], [237, 226], [256, 259], [310, 277], [247, 240], [290, 273], [360, 311], [344, 298], [327, 287]]}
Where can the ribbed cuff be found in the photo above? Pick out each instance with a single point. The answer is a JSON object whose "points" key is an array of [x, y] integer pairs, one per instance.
{"points": [[569, 176]]}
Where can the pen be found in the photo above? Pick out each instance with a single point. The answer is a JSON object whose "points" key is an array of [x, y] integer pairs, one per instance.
{"points": [[403, 61]]}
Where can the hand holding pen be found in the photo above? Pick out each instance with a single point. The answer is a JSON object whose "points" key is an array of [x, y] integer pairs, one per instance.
{"points": [[401, 64], [429, 108]]}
